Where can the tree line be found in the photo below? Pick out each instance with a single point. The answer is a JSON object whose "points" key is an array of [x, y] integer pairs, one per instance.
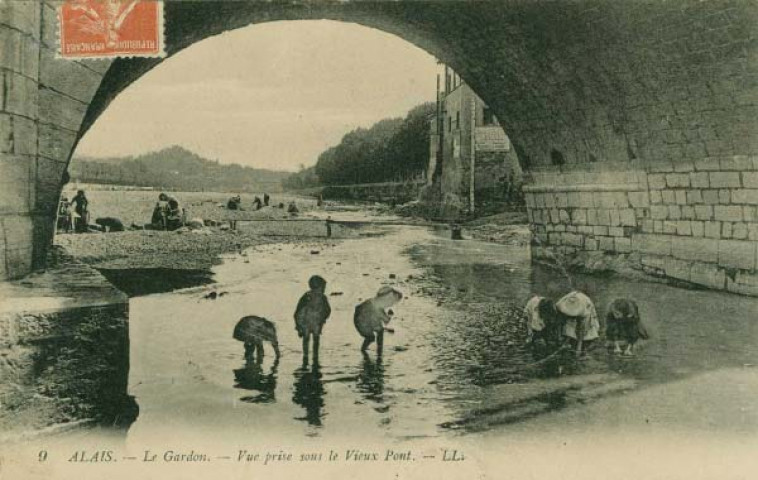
{"points": [[175, 168], [391, 149]]}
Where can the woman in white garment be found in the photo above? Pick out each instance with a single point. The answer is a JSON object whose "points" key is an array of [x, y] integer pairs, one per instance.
{"points": [[580, 322]]}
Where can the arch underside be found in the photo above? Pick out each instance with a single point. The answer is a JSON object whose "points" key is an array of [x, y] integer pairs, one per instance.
{"points": [[623, 114]]}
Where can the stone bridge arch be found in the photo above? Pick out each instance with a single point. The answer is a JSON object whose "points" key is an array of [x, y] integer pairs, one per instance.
{"points": [[635, 121]]}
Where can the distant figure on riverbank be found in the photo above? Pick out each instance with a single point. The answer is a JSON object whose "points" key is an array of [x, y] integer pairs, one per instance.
{"points": [[257, 203], [292, 208], [623, 324], [64, 215], [372, 316], [234, 203], [579, 319], [110, 224], [266, 199], [253, 331], [160, 212], [167, 214], [320, 200], [175, 216], [81, 208], [310, 316], [543, 325]]}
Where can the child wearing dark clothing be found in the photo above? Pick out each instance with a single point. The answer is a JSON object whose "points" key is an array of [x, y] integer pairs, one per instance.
{"points": [[623, 324], [310, 315]]}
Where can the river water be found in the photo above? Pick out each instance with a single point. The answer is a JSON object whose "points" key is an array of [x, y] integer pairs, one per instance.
{"points": [[455, 362], [455, 374]]}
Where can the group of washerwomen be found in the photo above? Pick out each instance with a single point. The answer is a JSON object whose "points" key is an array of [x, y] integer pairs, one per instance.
{"points": [[235, 203], [573, 321], [78, 219], [371, 318], [167, 215], [75, 215]]}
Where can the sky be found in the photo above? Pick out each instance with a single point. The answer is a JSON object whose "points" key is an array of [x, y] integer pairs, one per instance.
{"points": [[273, 95]]}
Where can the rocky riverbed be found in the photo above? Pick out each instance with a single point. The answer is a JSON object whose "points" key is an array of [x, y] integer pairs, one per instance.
{"points": [[187, 250]]}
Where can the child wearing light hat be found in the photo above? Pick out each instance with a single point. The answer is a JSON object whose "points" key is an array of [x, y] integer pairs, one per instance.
{"points": [[580, 320], [371, 317]]}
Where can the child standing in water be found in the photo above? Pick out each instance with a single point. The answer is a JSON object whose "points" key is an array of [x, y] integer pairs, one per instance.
{"points": [[310, 315], [371, 316]]}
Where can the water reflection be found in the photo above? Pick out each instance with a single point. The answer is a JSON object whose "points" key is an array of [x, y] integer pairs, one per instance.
{"points": [[371, 378], [137, 282], [309, 393], [251, 377]]}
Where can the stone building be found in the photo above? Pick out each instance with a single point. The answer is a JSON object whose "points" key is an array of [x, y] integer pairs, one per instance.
{"points": [[465, 132]]}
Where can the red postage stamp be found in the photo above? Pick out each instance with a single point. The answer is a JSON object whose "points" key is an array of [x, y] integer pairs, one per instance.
{"points": [[111, 28]]}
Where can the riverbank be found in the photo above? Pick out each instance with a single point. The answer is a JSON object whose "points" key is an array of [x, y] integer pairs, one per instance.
{"points": [[188, 250], [136, 206]]}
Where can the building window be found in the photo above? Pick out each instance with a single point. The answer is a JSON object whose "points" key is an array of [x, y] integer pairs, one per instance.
{"points": [[449, 124], [457, 120], [488, 118]]}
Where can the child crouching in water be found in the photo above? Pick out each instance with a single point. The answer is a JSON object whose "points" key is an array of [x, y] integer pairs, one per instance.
{"points": [[543, 324], [371, 317], [310, 315]]}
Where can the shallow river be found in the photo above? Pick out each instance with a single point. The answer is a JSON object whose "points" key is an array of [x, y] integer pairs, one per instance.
{"points": [[455, 362], [454, 380]]}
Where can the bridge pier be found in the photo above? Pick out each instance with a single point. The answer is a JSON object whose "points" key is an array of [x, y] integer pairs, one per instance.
{"points": [[43, 101], [693, 221], [64, 350]]}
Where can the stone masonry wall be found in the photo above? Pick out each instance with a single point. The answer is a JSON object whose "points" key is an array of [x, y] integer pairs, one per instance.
{"points": [[42, 103], [691, 221], [64, 349]]}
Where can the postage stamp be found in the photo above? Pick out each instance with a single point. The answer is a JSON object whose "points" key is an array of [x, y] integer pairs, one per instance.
{"points": [[111, 28]]}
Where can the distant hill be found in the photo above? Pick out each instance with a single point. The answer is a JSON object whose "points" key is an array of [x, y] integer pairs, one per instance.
{"points": [[175, 168]]}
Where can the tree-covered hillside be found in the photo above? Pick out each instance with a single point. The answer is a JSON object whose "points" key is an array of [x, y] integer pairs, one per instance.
{"points": [[391, 149], [175, 168]]}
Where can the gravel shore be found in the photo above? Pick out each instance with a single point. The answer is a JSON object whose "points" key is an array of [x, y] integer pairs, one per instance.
{"points": [[189, 250]]}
